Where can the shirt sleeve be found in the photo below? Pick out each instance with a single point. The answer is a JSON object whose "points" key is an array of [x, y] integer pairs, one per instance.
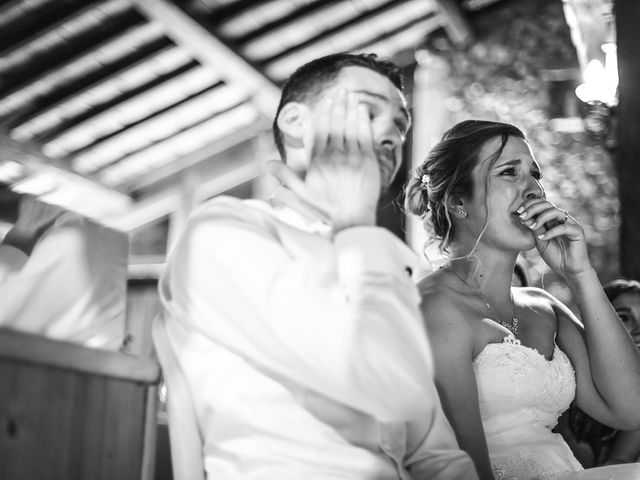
{"points": [[336, 316], [446, 464], [433, 452], [437, 455]]}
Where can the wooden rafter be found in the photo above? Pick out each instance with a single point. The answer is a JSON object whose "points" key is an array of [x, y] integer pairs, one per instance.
{"points": [[158, 205], [169, 171], [34, 160], [211, 52], [456, 23]]}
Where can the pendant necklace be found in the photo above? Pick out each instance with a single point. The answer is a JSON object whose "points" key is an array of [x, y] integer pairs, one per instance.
{"points": [[513, 326]]}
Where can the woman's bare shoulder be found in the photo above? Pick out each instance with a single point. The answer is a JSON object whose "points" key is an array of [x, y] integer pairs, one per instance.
{"points": [[533, 297], [540, 302], [437, 291], [442, 304], [538, 297]]}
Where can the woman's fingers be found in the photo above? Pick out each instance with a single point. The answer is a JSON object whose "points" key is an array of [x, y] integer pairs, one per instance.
{"points": [[532, 207], [572, 231], [547, 218]]}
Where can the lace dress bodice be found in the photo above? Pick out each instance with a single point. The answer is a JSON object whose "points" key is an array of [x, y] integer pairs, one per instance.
{"points": [[521, 395]]}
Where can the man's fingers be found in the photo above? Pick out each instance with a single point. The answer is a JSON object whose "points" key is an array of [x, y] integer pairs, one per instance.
{"points": [[323, 124], [365, 137], [338, 122], [351, 125]]}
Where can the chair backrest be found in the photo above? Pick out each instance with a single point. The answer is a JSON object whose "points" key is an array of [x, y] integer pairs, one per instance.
{"points": [[71, 412], [184, 432]]}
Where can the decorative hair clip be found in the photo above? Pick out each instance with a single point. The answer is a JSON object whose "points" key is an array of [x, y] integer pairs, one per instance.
{"points": [[425, 181]]}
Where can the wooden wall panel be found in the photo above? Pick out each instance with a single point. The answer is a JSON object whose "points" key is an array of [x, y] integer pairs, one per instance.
{"points": [[64, 423]]}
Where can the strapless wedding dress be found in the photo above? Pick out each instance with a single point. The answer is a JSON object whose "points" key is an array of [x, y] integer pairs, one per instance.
{"points": [[521, 395]]}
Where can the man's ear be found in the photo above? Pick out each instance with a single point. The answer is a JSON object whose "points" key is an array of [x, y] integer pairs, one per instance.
{"points": [[293, 122]]}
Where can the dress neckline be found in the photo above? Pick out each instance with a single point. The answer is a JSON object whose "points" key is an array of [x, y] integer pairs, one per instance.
{"points": [[512, 340]]}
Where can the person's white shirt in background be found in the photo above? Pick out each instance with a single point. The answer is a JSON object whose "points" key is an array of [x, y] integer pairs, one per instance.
{"points": [[71, 287]]}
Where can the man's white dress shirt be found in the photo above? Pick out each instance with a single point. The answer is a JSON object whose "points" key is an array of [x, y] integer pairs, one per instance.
{"points": [[305, 353]]}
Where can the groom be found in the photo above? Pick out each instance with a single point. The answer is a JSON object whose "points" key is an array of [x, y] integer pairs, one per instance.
{"points": [[295, 322]]}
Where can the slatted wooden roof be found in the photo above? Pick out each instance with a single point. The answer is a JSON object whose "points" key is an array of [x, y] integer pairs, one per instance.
{"points": [[103, 102]]}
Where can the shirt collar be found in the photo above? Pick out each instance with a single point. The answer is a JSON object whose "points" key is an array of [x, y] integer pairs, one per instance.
{"points": [[299, 213]]}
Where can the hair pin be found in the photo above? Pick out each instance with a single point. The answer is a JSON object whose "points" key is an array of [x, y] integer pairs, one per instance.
{"points": [[424, 180]]}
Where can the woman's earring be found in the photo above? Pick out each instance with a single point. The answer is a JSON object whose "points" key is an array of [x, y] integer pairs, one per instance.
{"points": [[461, 213]]}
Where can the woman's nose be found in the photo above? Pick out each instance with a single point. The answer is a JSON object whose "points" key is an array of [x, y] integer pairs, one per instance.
{"points": [[535, 189]]}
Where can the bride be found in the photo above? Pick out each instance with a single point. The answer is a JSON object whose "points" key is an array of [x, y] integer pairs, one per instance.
{"points": [[509, 360]]}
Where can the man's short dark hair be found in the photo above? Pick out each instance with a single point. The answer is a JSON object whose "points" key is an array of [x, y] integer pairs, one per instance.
{"points": [[311, 79]]}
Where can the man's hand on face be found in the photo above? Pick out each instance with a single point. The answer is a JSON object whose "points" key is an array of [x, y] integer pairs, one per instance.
{"points": [[343, 177]]}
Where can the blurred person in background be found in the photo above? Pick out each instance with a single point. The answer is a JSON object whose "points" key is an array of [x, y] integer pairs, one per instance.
{"points": [[63, 276], [593, 443]]}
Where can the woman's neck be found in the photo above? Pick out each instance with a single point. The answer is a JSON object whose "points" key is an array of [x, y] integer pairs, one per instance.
{"points": [[490, 274]]}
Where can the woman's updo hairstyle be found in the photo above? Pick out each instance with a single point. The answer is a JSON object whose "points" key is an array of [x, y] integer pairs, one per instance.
{"points": [[447, 171]]}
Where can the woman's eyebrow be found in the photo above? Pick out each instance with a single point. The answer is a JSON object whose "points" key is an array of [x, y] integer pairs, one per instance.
{"points": [[517, 161]]}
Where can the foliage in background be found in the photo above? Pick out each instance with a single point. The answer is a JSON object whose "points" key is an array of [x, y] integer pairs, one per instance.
{"points": [[503, 76]]}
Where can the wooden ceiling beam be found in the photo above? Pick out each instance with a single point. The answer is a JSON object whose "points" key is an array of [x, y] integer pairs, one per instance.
{"points": [[85, 19], [173, 148], [82, 66], [29, 155], [456, 24], [154, 207], [130, 111], [34, 161], [308, 27], [169, 171], [159, 127], [79, 105], [355, 35], [211, 52]]}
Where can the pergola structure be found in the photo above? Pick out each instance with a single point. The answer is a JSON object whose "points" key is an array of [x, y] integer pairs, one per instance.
{"points": [[131, 110], [107, 106]]}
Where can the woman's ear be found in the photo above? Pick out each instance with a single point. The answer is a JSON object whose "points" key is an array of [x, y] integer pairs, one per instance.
{"points": [[456, 206], [293, 122]]}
